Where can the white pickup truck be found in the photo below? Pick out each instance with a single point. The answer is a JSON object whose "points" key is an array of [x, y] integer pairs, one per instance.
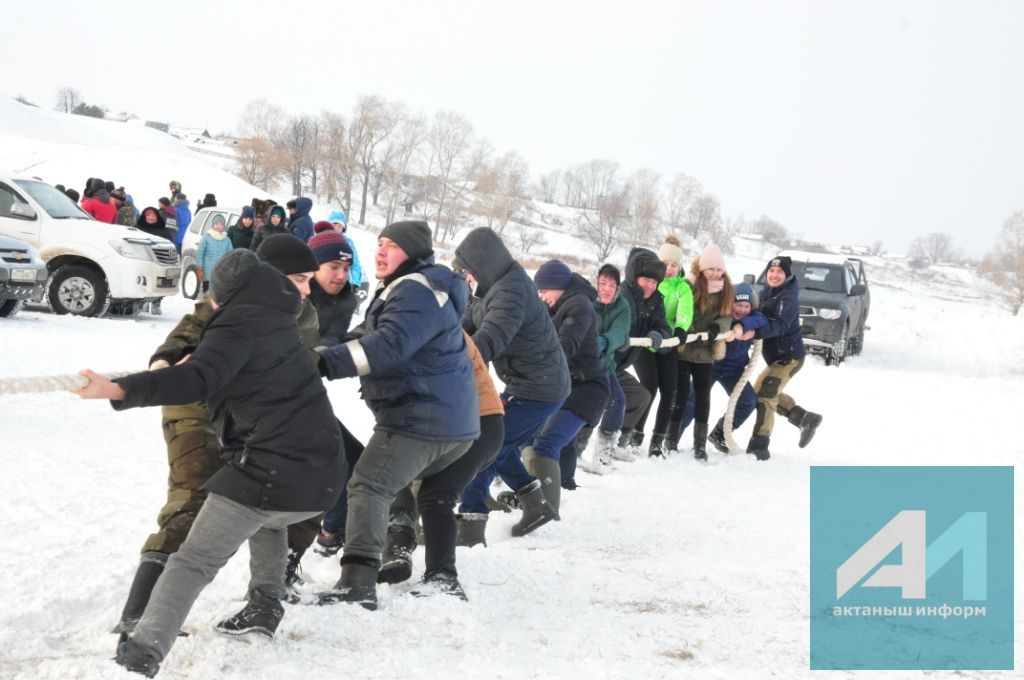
{"points": [[91, 264]]}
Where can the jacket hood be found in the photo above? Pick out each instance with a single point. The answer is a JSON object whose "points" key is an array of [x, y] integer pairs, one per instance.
{"points": [[577, 286], [141, 223], [484, 255], [244, 279], [303, 205]]}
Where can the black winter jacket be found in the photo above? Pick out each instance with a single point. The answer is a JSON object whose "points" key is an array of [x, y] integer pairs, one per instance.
{"points": [[782, 336], [264, 396], [576, 322], [334, 311], [648, 315], [510, 324]]}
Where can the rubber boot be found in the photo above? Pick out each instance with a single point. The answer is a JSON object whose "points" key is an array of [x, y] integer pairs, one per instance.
{"points": [[536, 510], [357, 585], [550, 475], [807, 422], [675, 430], [759, 447], [471, 529], [656, 449], [151, 565], [396, 562], [700, 440]]}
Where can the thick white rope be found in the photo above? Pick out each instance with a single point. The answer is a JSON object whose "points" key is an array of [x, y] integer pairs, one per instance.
{"points": [[672, 341], [734, 398], [49, 383]]}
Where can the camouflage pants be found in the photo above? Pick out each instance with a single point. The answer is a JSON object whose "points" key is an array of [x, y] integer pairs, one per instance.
{"points": [[770, 397]]}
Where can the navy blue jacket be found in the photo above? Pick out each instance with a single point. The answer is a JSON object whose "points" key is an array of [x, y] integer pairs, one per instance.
{"points": [[782, 337], [301, 225], [576, 322], [412, 357], [737, 352]]}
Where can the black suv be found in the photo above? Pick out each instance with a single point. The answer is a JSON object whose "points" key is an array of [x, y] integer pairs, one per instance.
{"points": [[834, 303]]}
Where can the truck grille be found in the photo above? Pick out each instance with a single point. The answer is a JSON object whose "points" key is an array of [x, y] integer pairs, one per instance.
{"points": [[12, 256], [165, 255]]}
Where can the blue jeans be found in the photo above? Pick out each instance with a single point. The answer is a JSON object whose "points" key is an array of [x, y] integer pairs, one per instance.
{"points": [[615, 411], [746, 404], [523, 417]]}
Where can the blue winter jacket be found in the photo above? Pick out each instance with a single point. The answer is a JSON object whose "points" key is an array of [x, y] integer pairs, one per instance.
{"points": [[210, 250], [782, 337], [184, 219], [355, 274], [411, 357], [301, 225], [737, 352]]}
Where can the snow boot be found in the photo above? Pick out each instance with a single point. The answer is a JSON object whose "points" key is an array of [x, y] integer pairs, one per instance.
{"points": [[675, 431], [357, 585], [700, 440], [396, 563], [549, 473], [717, 438], [441, 581], [261, 614], [328, 542], [759, 447], [471, 529], [807, 422], [151, 565], [292, 580], [656, 449], [606, 441], [536, 510], [137, 659]]}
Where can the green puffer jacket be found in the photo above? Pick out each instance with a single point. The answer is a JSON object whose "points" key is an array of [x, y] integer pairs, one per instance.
{"points": [[613, 322], [678, 297], [699, 351]]}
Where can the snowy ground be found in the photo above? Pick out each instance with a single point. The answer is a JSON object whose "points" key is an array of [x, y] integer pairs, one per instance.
{"points": [[664, 569]]}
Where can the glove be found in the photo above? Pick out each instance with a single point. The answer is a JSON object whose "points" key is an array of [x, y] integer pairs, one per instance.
{"points": [[681, 334], [655, 338], [321, 365]]}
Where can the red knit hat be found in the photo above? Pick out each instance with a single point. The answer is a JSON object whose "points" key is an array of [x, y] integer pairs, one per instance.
{"points": [[322, 226], [328, 246]]}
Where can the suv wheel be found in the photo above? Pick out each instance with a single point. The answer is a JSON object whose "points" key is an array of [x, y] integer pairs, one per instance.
{"points": [[835, 354], [9, 308], [190, 286], [74, 289], [856, 344]]}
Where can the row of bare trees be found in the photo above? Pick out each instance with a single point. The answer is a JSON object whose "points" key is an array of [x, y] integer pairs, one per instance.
{"points": [[1004, 265]]}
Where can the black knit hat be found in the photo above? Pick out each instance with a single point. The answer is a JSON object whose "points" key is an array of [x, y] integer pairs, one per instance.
{"points": [[783, 262], [552, 275], [287, 254], [413, 237], [611, 271], [650, 267]]}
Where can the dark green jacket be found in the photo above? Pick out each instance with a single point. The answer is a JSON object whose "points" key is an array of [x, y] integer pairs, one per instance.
{"points": [[613, 322]]}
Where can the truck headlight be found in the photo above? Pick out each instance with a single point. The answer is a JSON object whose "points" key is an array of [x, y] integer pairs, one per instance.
{"points": [[827, 313], [136, 251]]}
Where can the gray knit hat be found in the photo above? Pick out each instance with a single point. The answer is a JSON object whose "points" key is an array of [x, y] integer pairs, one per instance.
{"points": [[231, 273], [413, 237]]}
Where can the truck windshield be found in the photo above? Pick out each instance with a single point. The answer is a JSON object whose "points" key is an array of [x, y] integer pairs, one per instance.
{"points": [[56, 204], [826, 278]]}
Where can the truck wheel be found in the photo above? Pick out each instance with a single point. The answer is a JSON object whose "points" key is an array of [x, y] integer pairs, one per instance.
{"points": [[190, 286], [78, 290], [835, 354], [856, 344], [9, 308]]}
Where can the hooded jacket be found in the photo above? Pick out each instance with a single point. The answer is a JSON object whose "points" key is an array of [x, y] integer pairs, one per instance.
{"points": [[575, 321], [647, 315], [613, 320], [264, 397], [158, 228], [99, 204], [301, 226], [509, 323], [411, 356], [269, 229], [782, 336]]}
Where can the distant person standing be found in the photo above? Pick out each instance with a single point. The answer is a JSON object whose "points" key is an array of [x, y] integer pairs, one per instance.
{"points": [[301, 224], [275, 225], [184, 215], [98, 202], [339, 221], [241, 234], [214, 245]]}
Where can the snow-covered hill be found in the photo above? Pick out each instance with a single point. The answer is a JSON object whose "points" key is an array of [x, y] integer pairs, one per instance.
{"points": [[663, 569]]}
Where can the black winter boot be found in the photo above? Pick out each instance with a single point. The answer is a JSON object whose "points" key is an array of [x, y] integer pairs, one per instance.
{"points": [[656, 449], [675, 430], [262, 614], [807, 422], [444, 582], [549, 473], [292, 580], [137, 659], [471, 529], [717, 438], [700, 440], [536, 510], [150, 567], [636, 439], [759, 447], [357, 585], [625, 437], [396, 563]]}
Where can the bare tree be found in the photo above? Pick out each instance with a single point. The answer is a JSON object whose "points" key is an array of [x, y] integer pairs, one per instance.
{"points": [[297, 142], [527, 239], [406, 145], [705, 215], [600, 228], [373, 121], [1005, 265], [769, 229], [548, 186], [597, 179], [452, 164], [644, 200], [932, 249], [335, 160], [502, 190], [68, 99], [683, 192]]}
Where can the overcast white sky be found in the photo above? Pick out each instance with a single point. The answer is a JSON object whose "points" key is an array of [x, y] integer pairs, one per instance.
{"points": [[846, 121]]}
